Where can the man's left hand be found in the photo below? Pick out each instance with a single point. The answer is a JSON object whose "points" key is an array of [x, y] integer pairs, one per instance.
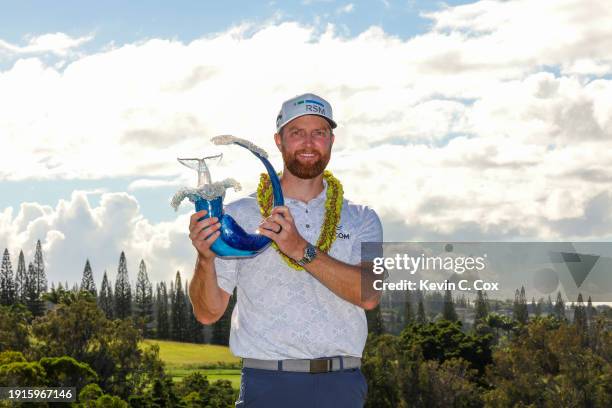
{"points": [[280, 228]]}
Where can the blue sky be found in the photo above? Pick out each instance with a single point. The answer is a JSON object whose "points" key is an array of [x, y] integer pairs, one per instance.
{"points": [[463, 120], [125, 22]]}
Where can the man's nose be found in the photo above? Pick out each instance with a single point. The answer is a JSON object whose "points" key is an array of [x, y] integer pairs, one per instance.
{"points": [[308, 138]]}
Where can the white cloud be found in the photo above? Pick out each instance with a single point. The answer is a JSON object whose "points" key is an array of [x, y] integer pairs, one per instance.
{"points": [[346, 9], [532, 34], [309, 2], [465, 123], [142, 104], [466, 190], [59, 44], [73, 231], [153, 183]]}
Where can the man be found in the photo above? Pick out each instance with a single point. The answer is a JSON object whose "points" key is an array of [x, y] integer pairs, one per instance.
{"points": [[299, 322]]}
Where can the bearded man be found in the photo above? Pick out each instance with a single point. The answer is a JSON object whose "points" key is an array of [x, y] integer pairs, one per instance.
{"points": [[299, 322]]}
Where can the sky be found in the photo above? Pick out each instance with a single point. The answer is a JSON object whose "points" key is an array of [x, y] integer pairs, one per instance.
{"points": [[458, 120]]}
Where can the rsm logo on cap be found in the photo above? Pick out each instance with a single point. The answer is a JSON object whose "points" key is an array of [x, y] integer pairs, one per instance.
{"points": [[312, 106]]}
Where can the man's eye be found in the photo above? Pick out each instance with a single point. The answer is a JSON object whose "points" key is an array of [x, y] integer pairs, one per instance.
{"points": [[317, 133]]}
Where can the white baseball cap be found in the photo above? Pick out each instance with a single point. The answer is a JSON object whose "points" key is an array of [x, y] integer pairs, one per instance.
{"points": [[306, 104]]}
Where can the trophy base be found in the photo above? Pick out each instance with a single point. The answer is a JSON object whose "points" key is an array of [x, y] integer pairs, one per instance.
{"points": [[233, 242]]}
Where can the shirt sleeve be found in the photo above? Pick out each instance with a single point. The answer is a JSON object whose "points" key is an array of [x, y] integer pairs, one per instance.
{"points": [[370, 230], [227, 273]]}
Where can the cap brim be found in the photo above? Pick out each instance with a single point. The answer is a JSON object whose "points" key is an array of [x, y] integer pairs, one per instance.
{"points": [[331, 122]]}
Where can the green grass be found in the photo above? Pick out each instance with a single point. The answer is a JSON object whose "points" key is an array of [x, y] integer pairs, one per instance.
{"points": [[181, 359], [189, 355], [212, 374]]}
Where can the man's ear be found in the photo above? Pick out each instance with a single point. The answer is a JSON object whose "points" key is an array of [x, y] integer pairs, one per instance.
{"points": [[278, 139]]}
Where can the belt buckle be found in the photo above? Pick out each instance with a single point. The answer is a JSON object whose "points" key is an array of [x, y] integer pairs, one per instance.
{"points": [[320, 366]]}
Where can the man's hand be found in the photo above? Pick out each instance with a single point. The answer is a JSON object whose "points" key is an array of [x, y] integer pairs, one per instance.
{"points": [[203, 234], [280, 228]]}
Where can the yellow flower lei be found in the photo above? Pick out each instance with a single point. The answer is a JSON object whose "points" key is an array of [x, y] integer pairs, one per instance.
{"points": [[333, 208]]}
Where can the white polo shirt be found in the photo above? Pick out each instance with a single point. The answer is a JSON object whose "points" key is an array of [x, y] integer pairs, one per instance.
{"points": [[282, 313]]}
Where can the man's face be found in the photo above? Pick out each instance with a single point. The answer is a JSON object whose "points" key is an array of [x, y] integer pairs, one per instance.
{"points": [[306, 144]]}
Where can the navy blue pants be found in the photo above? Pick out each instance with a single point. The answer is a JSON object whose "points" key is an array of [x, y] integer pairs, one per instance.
{"points": [[272, 389]]}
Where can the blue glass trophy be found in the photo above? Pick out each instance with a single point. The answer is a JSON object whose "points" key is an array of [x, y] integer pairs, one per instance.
{"points": [[233, 241]]}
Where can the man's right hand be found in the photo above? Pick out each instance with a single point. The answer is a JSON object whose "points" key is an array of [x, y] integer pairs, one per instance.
{"points": [[203, 234]]}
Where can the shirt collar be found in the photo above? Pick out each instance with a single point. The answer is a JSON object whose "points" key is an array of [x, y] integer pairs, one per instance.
{"points": [[318, 200]]}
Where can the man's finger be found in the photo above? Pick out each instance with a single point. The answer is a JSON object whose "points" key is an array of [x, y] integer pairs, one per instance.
{"points": [[283, 222], [267, 233], [213, 237], [204, 233], [270, 226], [195, 217], [208, 242], [284, 211], [203, 224]]}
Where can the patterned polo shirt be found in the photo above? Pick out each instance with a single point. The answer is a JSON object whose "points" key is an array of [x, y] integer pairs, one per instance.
{"points": [[282, 313]]}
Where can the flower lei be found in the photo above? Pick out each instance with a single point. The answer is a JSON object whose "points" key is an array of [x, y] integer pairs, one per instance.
{"points": [[333, 208]]}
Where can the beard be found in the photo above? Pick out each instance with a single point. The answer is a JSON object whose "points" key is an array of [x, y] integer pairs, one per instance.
{"points": [[306, 170]]}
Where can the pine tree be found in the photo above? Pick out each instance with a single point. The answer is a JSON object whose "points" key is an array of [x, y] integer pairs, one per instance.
{"points": [[448, 311], [539, 307], [520, 312], [39, 270], [163, 322], [189, 316], [143, 300], [591, 312], [524, 307], [20, 279], [560, 307], [481, 308], [196, 335], [7, 285], [580, 315], [550, 308], [105, 300], [33, 294], [408, 312], [179, 311], [187, 322], [123, 290], [87, 282], [515, 305], [222, 327], [421, 315], [172, 298]]}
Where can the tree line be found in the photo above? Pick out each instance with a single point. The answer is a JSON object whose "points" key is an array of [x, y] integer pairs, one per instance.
{"points": [[397, 309], [163, 311]]}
